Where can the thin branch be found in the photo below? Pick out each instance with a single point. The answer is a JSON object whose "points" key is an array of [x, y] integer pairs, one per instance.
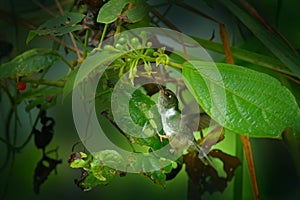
{"points": [[44, 8], [57, 40], [78, 52], [169, 24], [198, 12], [164, 20], [7, 125], [59, 7], [70, 34]]}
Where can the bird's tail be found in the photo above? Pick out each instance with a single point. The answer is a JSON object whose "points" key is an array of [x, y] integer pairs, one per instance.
{"points": [[203, 154]]}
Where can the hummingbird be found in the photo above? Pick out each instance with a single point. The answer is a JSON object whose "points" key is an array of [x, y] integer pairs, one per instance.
{"points": [[171, 119], [176, 129]]}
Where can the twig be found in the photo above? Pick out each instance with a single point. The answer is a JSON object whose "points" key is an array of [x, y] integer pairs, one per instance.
{"points": [[79, 54], [44, 8], [168, 23], [198, 12], [59, 7], [164, 20], [70, 34], [57, 40]]}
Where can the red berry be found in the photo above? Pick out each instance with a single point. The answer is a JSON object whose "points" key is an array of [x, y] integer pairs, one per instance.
{"points": [[21, 86]]}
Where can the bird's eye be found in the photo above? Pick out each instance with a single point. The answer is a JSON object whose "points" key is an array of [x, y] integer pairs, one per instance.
{"points": [[168, 95]]}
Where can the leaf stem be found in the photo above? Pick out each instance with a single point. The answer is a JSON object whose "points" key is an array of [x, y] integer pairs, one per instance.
{"points": [[86, 40], [176, 65], [103, 35]]}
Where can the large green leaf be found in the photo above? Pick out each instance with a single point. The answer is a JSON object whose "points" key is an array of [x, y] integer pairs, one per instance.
{"points": [[29, 62], [58, 26], [242, 100]]}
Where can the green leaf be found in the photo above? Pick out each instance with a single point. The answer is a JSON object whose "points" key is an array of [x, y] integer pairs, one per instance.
{"points": [[158, 177], [98, 60], [149, 161], [96, 175], [138, 11], [69, 83], [58, 26], [145, 22], [110, 158], [30, 36], [144, 113], [78, 163], [242, 100], [94, 172], [110, 11], [29, 62], [139, 104], [98, 171], [40, 96], [42, 91], [114, 8], [270, 39]]}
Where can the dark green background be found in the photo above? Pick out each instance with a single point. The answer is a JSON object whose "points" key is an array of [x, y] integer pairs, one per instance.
{"points": [[276, 173]]}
